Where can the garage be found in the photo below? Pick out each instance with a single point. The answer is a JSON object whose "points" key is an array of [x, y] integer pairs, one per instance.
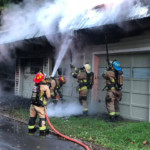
{"points": [[136, 88]]}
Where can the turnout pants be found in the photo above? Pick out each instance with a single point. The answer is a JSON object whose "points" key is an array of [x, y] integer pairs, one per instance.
{"points": [[41, 112], [83, 100], [113, 99]]}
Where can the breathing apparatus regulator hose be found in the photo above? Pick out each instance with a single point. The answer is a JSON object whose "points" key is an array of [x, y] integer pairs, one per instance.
{"points": [[64, 136]]}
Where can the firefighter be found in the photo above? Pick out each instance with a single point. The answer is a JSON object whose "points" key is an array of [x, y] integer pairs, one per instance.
{"points": [[114, 83], [40, 93], [56, 84], [83, 74]]}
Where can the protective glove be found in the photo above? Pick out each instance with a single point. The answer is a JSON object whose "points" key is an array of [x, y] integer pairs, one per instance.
{"points": [[52, 95], [74, 75], [44, 103]]}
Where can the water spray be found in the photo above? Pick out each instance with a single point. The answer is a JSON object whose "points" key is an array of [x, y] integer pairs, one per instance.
{"points": [[63, 49]]}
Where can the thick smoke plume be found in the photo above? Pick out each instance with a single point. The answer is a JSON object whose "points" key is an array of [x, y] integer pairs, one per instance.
{"points": [[33, 18]]}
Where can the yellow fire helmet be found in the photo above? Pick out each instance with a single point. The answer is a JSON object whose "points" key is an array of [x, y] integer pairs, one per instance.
{"points": [[87, 68]]}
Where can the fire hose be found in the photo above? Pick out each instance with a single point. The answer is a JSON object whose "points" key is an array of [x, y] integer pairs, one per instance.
{"points": [[64, 136]]}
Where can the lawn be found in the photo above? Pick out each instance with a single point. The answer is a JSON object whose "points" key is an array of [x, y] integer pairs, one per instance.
{"points": [[124, 135]]}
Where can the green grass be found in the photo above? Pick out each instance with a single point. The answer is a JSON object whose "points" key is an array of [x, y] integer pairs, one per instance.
{"points": [[117, 136]]}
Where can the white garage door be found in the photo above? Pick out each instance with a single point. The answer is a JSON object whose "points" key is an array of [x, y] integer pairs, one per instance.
{"points": [[136, 88]]}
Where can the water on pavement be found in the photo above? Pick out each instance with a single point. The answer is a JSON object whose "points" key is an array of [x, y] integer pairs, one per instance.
{"points": [[14, 136]]}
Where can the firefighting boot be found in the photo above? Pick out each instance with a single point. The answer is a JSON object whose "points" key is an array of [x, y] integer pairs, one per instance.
{"points": [[44, 132], [85, 113], [31, 126], [111, 119], [118, 118], [31, 131]]}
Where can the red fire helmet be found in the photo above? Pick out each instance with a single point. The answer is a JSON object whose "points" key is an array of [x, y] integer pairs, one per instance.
{"points": [[38, 78], [62, 79]]}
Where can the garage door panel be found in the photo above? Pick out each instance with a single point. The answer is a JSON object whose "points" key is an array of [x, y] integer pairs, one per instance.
{"points": [[126, 98], [142, 100], [141, 60], [141, 73], [102, 107], [140, 113], [125, 111], [101, 95], [140, 86], [126, 86], [122, 59]]}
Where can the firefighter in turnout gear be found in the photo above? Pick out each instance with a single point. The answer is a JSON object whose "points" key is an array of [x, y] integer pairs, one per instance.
{"points": [[40, 93], [85, 80], [114, 83], [56, 84]]}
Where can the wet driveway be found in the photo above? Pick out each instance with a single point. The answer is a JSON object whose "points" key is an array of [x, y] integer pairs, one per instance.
{"points": [[14, 136]]}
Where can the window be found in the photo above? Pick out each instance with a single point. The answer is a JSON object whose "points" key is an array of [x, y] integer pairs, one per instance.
{"points": [[32, 65], [141, 73]]}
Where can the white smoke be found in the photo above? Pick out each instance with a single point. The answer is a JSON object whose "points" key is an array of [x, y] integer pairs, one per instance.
{"points": [[33, 18], [6, 54], [65, 109]]}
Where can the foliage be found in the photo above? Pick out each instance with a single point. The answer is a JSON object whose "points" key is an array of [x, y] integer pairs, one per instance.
{"points": [[117, 136], [5, 2]]}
